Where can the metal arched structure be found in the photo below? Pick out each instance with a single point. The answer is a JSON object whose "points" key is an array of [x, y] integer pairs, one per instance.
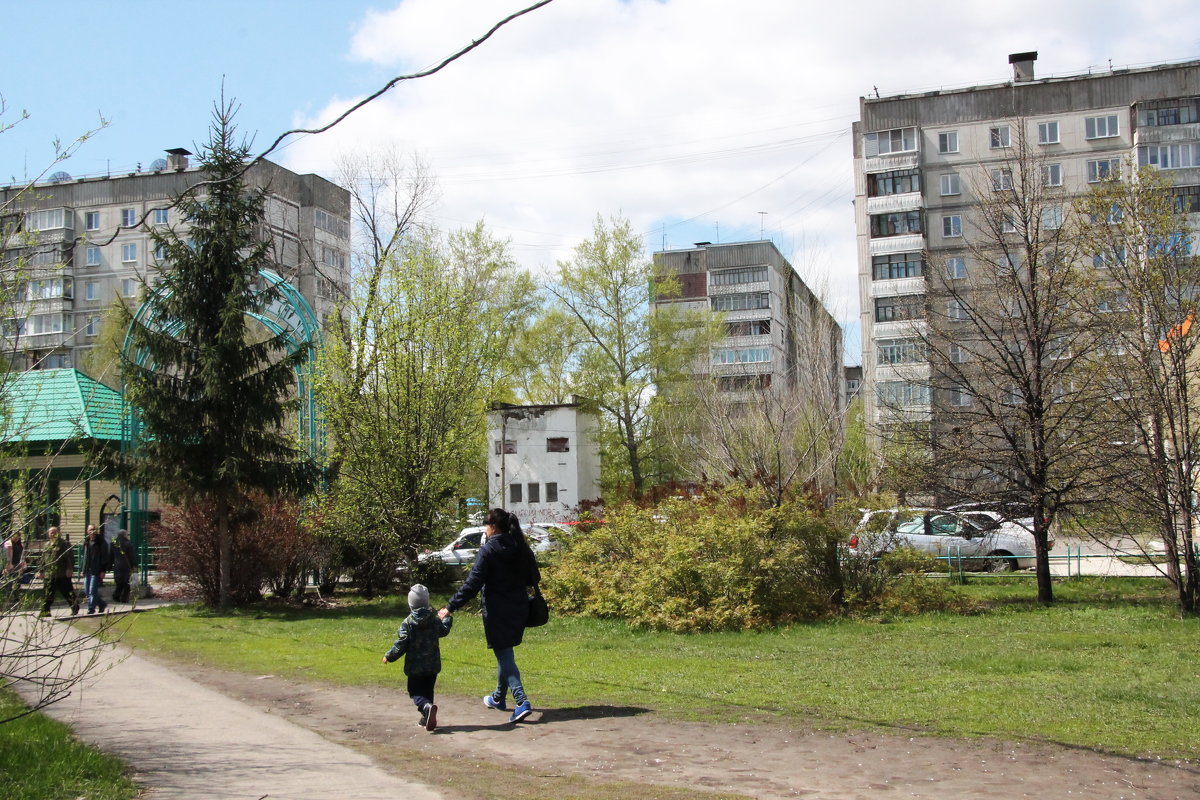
{"points": [[287, 315]]}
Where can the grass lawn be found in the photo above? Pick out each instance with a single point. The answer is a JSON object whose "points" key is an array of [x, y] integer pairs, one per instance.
{"points": [[41, 760], [1109, 666]]}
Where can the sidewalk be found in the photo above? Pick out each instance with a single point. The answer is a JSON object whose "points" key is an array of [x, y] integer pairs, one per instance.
{"points": [[187, 742]]}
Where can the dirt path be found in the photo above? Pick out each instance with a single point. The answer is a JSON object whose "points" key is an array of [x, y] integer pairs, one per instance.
{"points": [[760, 760]]}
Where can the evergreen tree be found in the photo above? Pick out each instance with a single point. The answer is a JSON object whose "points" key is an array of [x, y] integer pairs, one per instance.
{"points": [[213, 392]]}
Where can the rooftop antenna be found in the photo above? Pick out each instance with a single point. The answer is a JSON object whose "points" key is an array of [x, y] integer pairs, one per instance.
{"points": [[762, 221], [664, 234], [718, 226]]}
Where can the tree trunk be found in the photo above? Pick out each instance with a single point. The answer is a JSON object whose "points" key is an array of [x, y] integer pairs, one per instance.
{"points": [[224, 554]]}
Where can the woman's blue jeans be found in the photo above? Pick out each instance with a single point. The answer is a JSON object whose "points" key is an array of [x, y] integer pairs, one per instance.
{"points": [[91, 587], [508, 677]]}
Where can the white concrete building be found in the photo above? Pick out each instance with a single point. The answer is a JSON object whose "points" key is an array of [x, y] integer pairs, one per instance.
{"points": [[543, 460]]}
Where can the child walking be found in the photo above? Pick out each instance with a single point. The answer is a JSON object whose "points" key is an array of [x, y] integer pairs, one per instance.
{"points": [[417, 641]]}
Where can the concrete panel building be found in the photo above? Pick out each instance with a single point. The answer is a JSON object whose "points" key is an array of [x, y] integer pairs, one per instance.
{"points": [[84, 243], [920, 161]]}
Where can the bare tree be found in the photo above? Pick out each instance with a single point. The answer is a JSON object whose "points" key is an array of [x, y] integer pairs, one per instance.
{"points": [[1144, 297], [1017, 415]]}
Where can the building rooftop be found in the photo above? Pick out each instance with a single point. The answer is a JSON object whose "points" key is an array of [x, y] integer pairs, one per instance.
{"points": [[59, 404]]}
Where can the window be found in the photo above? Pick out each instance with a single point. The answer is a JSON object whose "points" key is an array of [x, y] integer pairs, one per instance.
{"points": [[1052, 217], [551, 492], [959, 398], [1052, 174], [898, 265], [748, 355], [49, 219], [129, 252], [952, 226], [162, 216], [1001, 180], [128, 217], [558, 444], [331, 224], [1007, 225], [951, 184], [128, 287], [56, 361], [1047, 133], [91, 290], [1108, 259], [1119, 301], [1011, 395], [899, 307], [948, 142], [742, 383], [91, 257], [956, 311], [901, 394], [897, 224], [748, 327], [332, 257], [510, 447], [45, 323], [881, 143], [900, 351], [1101, 127], [1169, 156], [1186, 199], [91, 220], [732, 277], [50, 289], [1171, 113], [999, 136], [514, 493], [958, 354], [535, 496], [91, 325], [1103, 169], [956, 268], [750, 301], [160, 252], [898, 182]]}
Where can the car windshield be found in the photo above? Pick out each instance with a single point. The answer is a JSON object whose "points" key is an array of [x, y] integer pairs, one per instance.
{"points": [[911, 524]]}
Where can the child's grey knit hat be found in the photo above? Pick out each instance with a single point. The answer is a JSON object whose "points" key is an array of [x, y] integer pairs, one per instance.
{"points": [[418, 597]]}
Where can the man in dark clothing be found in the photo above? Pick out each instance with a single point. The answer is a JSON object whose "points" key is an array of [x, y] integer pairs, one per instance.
{"points": [[124, 562], [58, 568], [95, 564]]}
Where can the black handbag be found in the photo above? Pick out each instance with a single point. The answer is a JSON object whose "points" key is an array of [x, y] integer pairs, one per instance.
{"points": [[539, 612]]}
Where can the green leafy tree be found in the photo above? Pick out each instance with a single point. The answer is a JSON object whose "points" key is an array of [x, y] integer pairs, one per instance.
{"points": [[213, 393], [627, 353], [406, 383]]}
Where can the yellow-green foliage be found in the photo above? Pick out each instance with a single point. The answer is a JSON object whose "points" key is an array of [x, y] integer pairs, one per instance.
{"points": [[720, 562]]}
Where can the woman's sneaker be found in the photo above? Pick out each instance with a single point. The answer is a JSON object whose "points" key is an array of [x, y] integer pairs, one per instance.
{"points": [[491, 702], [521, 712]]}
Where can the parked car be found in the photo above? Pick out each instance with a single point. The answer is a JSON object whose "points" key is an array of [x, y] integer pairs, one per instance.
{"points": [[462, 549], [991, 542]]}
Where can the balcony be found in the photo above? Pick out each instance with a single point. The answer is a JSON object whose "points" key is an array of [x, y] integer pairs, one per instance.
{"points": [[885, 245], [1167, 134], [890, 161], [909, 201], [889, 287]]}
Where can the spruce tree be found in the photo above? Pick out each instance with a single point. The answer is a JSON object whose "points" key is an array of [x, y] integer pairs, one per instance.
{"points": [[213, 392]]}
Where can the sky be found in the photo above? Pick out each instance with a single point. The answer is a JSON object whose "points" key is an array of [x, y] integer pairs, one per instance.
{"points": [[698, 120]]}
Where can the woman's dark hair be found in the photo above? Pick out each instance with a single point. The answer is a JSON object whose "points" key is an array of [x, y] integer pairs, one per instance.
{"points": [[508, 526], [498, 518]]}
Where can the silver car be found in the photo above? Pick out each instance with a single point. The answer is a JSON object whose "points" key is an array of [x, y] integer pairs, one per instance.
{"points": [[984, 539], [461, 551]]}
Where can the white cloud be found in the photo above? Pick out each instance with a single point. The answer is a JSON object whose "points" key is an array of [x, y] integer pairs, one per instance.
{"points": [[700, 110]]}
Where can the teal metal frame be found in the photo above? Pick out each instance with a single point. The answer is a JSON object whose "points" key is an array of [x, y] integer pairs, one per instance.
{"points": [[287, 315]]}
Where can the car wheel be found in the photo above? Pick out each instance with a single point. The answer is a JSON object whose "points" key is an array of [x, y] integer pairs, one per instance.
{"points": [[999, 561]]}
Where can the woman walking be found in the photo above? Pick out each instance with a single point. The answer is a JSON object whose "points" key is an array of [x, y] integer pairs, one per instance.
{"points": [[504, 569]]}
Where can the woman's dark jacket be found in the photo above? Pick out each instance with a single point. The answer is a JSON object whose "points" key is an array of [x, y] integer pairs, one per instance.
{"points": [[503, 570], [95, 556]]}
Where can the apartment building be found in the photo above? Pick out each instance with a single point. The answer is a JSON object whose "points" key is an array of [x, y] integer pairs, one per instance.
{"points": [[922, 162], [82, 244], [776, 328]]}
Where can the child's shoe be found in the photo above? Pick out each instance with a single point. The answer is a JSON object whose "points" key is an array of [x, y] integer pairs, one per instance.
{"points": [[491, 702], [521, 712], [430, 717]]}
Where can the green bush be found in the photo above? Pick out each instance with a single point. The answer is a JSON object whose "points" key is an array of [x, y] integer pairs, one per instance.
{"points": [[723, 561]]}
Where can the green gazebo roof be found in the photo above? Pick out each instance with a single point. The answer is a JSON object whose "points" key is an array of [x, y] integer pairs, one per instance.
{"points": [[58, 404]]}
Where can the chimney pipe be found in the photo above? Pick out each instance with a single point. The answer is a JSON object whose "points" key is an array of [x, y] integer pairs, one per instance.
{"points": [[177, 158], [1022, 64]]}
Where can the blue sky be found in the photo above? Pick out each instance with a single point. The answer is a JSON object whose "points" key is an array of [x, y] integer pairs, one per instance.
{"points": [[699, 120]]}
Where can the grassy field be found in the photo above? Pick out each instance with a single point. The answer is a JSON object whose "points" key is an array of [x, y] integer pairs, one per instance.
{"points": [[41, 760], [1109, 666]]}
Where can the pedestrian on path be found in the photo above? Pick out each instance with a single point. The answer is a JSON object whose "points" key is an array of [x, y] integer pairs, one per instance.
{"points": [[96, 562], [124, 562], [58, 570], [504, 570], [417, 641]]}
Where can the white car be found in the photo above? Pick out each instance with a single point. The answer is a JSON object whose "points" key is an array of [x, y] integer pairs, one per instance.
{"points": [[461, 551], [986, 540]]}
